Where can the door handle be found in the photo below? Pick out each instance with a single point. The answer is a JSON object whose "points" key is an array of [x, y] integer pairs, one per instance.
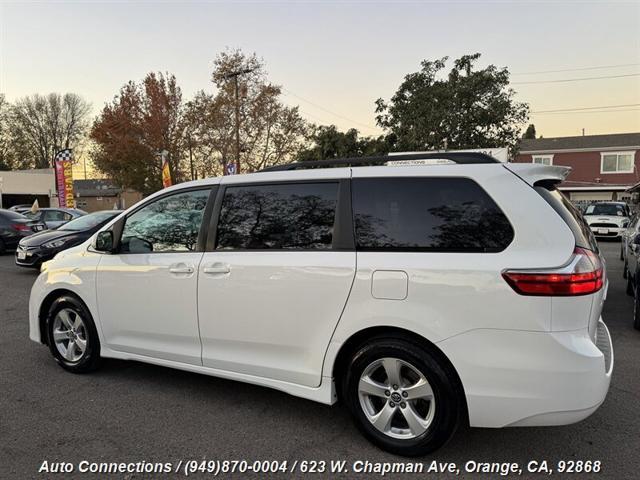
{"points": [[181, 268], [217, 268]]}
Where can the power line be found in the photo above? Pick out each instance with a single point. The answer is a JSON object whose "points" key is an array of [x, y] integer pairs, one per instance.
{"points": [[574, 109], [289, 92], [590, 111], [564, 80], [602, 67]]}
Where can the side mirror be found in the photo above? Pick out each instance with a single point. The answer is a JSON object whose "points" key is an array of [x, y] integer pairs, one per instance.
{"points": [[103, 242]]}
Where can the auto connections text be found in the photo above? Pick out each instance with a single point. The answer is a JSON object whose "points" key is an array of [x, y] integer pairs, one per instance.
{"points": [[215, 468]]}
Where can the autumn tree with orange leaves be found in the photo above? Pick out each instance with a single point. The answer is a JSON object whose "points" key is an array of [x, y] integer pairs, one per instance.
{"points": [[142, 120]]}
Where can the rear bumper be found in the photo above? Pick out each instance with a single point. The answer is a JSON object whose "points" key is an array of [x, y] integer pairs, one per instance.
{"points": [[518, 378]]}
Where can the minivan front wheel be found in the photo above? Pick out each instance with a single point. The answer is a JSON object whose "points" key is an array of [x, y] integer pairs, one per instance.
{"points": [[72, 335], [401, 397]]}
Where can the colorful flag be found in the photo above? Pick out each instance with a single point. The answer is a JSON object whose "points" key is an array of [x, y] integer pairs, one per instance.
{"points": [[64, 178], [166, 173]]}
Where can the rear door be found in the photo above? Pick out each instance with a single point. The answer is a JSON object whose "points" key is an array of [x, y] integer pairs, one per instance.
{"points": [[274, 282]]}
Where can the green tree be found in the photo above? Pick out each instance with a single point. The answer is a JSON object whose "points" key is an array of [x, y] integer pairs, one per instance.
{"points": [[467, 108], [530, 133], [328, 142]]}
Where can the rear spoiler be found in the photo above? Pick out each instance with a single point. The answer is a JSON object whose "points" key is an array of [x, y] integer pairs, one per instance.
{"points": [[533, 173]]}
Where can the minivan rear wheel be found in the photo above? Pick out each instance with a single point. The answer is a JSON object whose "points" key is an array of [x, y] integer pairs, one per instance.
{"points": [[72, 335], [401, 396]]}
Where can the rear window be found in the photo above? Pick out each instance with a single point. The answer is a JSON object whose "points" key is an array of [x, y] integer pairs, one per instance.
{"points": [[427, 214], [10, 215], [570, 214]]}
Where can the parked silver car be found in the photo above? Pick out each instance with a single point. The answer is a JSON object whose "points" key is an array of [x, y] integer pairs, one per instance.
{"points": [[55, 217]]}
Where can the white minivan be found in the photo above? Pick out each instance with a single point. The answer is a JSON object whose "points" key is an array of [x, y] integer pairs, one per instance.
{"points": [[425, 292]]}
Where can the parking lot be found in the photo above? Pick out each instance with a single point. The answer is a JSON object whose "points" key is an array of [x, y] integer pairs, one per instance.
{"points": [[130, 411]]}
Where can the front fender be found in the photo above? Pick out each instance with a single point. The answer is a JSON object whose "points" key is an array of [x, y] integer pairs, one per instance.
{"points": [[73, 272]]}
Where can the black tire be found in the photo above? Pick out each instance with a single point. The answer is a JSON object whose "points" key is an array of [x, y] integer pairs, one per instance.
{"points": [[89, 360], [636, 308], [449, 413], [3, 247], [630, 289]]}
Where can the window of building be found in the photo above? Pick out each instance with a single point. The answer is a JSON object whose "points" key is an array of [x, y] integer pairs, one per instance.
{"points": [[170, 224], [284, 216], [427, 214], [617, 162], [543, 159]]}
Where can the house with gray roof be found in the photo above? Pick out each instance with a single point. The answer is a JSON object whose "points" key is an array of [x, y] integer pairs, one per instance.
{"points": [[603, 167]]}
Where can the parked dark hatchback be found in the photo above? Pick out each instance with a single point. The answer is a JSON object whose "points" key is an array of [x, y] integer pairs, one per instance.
{"points": [[43, 246], [14, 227]]}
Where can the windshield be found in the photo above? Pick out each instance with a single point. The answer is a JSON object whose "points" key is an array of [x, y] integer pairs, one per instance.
{"points": [[87, 221], [612, 209]]}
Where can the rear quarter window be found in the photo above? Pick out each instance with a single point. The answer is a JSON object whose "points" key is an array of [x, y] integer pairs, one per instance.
{"points": [[570, 214], [427, 214]]}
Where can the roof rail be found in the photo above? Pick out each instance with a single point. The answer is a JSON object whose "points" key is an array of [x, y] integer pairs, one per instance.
{"points": [[456, 157]]}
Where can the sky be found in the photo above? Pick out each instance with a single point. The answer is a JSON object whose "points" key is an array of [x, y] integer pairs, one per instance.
{"points": [[334, 59]]}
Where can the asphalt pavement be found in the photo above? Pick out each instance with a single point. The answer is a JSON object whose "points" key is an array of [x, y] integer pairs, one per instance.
{"points": [[132, 412]]}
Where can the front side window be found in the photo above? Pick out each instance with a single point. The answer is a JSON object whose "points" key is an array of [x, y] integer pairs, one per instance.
{"points": [[170, 224], [284, 216], [621, 162], [427, 214]]}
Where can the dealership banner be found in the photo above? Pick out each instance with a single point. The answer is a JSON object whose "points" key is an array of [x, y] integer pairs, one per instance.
{"points": [[64, 178], [166, 172]]}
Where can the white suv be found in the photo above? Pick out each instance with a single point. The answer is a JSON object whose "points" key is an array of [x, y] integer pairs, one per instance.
{"points": [[422, 296]]}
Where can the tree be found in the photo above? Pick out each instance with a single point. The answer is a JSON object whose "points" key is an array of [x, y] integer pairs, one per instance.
{"points": [[270, 132], [40, 126], [6, 157], [142, 120], [530, 133], [328, 142], [466, 109]]}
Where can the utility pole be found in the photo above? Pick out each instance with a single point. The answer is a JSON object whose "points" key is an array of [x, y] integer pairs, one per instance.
{"points": [[235, 76], [191, 157]]}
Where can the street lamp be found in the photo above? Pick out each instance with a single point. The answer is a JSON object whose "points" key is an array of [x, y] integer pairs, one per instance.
{"points": [[235, 76]]}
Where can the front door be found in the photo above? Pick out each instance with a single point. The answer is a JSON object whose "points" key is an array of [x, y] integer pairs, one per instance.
{"points": [[272, 290], [147, 291]]}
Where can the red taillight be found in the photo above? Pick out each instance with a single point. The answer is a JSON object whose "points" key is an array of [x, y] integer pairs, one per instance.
{"points": [[584, 274], [21, 227]]}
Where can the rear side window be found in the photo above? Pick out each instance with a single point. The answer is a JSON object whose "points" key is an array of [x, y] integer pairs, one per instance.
{"points": [[570, 214], [295, 216], [427, 214]]}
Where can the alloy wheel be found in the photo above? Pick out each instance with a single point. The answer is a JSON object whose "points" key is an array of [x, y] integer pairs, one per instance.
{"points": [[69, 334], [396, 398]]}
